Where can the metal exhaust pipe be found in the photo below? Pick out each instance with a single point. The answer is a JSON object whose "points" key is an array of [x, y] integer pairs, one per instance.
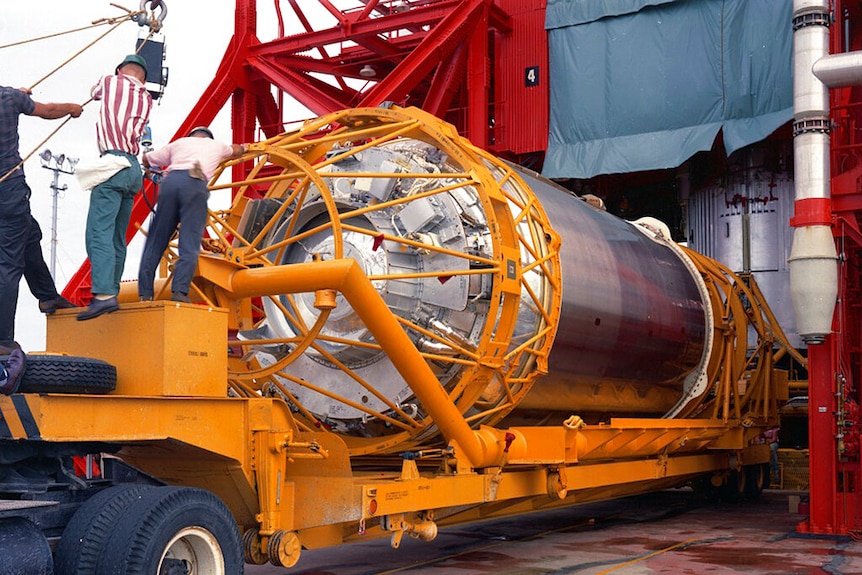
{"points": [[813, 259]]}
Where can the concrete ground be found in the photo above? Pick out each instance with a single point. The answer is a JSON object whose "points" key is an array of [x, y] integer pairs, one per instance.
{"points": [[668, 532]]}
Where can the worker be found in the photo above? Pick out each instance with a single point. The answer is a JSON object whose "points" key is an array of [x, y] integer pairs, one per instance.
{"points": [[20, 235], [123, 115], [11, 373], [770, 436], [189, 164]]}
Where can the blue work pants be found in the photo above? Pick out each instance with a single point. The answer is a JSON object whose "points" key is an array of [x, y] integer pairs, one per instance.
{"points": [[183, 202]]}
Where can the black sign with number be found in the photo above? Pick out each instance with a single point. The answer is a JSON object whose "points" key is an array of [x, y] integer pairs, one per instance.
{"points": [[531, 76]]}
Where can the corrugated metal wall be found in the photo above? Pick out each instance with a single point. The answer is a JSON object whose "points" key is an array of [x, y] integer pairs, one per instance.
{"points": [[521, 80], [716, 228]]}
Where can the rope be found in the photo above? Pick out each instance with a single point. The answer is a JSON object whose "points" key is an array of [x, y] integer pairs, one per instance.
{"points": [[96, 23], [42, 143], [85, 48], [118, 21]]}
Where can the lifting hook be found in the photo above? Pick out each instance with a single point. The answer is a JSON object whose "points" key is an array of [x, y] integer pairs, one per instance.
{"points": [[155, 23]]}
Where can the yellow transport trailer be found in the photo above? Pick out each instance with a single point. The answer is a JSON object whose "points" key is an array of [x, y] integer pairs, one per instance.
{"points": [[392, 331]]}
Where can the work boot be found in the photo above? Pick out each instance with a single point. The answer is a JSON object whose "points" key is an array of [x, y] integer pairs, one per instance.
{"points": [[49, 306], [15, 367], [99, 306]]}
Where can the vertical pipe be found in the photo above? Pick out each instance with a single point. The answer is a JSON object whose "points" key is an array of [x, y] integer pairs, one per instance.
{"points": [[55, 189], [746, 240], [813, 260]]}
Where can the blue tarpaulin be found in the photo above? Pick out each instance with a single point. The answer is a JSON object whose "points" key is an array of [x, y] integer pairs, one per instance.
{"points": [[645, 84]]}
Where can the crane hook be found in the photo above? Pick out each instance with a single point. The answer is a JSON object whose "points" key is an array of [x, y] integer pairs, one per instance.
{"points": [[155, 23]]}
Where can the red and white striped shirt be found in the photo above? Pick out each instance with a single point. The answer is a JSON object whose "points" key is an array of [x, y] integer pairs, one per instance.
{"points": [[124, 113]]}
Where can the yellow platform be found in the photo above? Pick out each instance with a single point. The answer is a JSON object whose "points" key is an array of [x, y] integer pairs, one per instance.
{"points": [[159, 348]]}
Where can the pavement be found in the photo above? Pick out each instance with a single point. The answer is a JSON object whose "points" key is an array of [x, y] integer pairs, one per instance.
{"points": [[669, 532]]}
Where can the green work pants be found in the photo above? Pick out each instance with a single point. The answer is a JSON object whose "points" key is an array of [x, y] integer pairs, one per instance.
{"points": [[110, 210]]}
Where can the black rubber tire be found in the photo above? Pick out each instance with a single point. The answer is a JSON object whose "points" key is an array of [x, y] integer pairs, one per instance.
{"points": [[733, 490], [756, 481], [141, 538], [85, 535], [25, 549], [66, 374]]}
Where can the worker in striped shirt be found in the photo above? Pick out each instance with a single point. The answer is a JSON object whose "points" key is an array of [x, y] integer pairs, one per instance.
{"points": [[123, 115]]}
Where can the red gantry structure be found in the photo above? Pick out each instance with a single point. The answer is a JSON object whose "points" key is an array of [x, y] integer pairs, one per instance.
{"points": [[835, 366], [482, 65]]}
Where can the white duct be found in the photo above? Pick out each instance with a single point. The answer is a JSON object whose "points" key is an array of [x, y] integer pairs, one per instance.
{"points": [[813, 259], [839, 70]]}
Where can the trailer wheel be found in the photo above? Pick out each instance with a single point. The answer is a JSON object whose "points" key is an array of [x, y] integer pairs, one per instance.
{"points": [[85, 535], [66, 374], [733, 490], [755, 481], [25, 549], [190, 530]]}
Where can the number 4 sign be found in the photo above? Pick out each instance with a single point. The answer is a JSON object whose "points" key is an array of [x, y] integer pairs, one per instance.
{"points": [[531, 76]]}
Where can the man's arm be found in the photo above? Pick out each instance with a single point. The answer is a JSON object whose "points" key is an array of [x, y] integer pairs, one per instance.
{"points": [[236, 150], [52, 111], [159, 157]]}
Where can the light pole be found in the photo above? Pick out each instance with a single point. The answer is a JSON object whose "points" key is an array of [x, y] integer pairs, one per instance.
{"points": [[56, 164]]}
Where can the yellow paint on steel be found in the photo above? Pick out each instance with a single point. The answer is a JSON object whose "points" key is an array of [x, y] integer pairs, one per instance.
{"points": [[287, 168], [741, 373], [11, 418], [346, 276]]}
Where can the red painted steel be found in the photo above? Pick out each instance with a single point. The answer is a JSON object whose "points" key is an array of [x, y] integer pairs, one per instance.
{"points": [[521, 81], [812, 212], [835, 367], [821, 426]]}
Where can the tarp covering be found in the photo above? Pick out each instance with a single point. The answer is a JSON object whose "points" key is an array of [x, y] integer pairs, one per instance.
{"points": [[560, 13], [645, 84]]}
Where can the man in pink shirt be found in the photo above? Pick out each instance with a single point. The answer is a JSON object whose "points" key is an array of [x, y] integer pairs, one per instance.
{"points": [[190, 163]]}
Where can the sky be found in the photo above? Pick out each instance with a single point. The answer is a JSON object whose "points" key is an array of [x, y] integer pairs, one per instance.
{"points": [[195, 35]]}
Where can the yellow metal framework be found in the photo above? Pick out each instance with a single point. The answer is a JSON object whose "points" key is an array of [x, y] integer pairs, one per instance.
{"points": [[292, 168], [748, 344]]}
